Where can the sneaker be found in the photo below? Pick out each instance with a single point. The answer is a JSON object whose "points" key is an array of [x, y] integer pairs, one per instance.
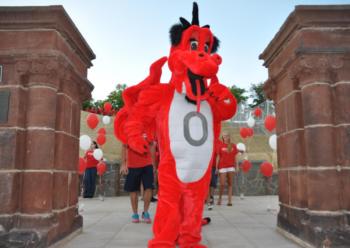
{"points": [[153, 199], [210, 206], [135, 218], [146, 218]]}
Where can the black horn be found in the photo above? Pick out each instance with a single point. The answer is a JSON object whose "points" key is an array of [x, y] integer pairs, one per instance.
{"points": [[195, 19]]}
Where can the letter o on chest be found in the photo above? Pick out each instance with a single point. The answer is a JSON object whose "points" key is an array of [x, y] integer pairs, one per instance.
{"points": [[187, 132]]}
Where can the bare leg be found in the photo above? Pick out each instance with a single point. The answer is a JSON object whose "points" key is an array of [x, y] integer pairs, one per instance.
{"points": [[147, 199], [208, 197], [141, 191], [222, 186], [134, 201], [229, 185], [212, 192]]}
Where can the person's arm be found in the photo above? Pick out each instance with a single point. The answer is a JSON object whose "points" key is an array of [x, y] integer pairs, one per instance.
{"points": [[235, 158], [85, 155], [153, 155], [123, 166], [217, 164]]}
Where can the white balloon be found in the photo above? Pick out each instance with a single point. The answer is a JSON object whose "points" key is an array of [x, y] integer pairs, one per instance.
{"points": [[241, 147], [98, 154], [273, 142], [84, 142], [251, 122], [106, 119]]}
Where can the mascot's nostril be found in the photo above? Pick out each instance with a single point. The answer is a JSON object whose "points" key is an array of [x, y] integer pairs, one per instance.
{"points": [[201, 54]]}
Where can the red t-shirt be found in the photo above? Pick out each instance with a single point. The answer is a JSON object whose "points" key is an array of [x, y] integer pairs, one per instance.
{"points": [[90, 160], [137, 160], [227, 158]]}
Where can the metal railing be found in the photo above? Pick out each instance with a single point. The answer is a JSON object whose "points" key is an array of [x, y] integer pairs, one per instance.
{"points": [[244, 112]]}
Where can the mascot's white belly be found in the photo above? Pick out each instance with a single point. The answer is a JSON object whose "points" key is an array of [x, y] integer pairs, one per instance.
{"points": [[191, 137]]}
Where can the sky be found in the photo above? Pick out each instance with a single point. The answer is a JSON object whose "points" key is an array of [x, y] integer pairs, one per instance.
{"points": [[128, 35]]}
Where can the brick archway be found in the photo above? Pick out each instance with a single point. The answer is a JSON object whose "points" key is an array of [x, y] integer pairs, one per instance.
{"points": [[45, 61], [309, 80]]}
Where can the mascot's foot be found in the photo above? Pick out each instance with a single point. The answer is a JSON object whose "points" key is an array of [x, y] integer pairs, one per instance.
{"points": [[205, 221]]}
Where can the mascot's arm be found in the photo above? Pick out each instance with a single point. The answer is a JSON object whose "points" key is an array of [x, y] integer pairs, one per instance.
{"points": [[141, 117], [131, 97], [222, 101]]}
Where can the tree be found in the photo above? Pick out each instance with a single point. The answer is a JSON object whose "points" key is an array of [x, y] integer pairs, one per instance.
{"points": [[239, 94], [115, 98], [257, 94]]}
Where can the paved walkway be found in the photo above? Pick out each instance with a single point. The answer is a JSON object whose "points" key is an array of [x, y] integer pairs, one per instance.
{"points": [[247, 224]]}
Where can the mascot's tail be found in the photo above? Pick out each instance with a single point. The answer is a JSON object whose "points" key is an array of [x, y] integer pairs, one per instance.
{"points": [[130, 96]]}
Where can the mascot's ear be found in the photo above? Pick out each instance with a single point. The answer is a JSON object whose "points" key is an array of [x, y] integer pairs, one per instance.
{"points": [[175, 34], [216, 45]]}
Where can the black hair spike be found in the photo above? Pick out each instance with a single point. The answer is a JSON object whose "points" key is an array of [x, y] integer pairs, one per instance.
{"points": [[175, 34], [216, 44], [184, 23]]}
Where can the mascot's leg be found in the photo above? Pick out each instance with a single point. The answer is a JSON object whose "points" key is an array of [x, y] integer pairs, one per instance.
{"points": [[193, 199], [168, 217]]}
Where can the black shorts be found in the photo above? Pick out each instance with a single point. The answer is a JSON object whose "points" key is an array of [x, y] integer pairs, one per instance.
{"points": [[214, 178], [138, 175]]}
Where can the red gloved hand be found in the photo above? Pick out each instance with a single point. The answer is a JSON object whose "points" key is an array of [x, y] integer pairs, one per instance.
{"points": [[219, 92]]}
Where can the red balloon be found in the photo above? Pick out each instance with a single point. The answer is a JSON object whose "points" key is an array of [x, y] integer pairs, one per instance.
{"points": [[92, 120], [266, 169], [101, 168], [102, 130], [250, 132], [257, 112], [101, 139], [243, 131], [270, 122], [81, 166], [246, 165], [107, 106]]}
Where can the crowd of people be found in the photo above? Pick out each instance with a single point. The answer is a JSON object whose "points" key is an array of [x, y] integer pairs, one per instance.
{"points": [[140, 171], [141, 174]]}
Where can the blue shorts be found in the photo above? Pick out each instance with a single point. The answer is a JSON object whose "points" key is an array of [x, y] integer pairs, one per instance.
{"points": [[138, 175], [214, 178]]}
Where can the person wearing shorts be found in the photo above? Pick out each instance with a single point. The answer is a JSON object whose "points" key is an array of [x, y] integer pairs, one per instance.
{"points": [[227, 152], [213, 183], [138, 169]]}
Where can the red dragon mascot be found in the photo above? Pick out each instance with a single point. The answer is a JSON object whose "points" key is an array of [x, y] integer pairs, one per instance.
{"points": [[185, 116]]}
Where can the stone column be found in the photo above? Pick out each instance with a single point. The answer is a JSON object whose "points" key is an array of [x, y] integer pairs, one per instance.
{"points": [[45, 61], [309, 80]]}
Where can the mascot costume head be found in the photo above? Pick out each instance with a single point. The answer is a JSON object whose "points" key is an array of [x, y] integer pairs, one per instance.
{"points": [[185, 117]]}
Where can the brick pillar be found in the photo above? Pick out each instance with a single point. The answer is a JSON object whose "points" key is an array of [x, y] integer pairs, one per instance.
{"points": [[45, 61], [309, 80]]}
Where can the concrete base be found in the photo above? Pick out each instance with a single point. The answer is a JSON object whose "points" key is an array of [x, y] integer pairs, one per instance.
{"points": [[67, 239], [293, 238]]}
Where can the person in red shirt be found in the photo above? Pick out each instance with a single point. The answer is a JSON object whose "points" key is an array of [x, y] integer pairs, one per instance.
{"points": [[90, 172], [138, 168], [226, 166]]}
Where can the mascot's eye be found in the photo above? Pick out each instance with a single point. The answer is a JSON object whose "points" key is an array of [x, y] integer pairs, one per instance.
{"points": [[206, 48], [194, 45]]}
